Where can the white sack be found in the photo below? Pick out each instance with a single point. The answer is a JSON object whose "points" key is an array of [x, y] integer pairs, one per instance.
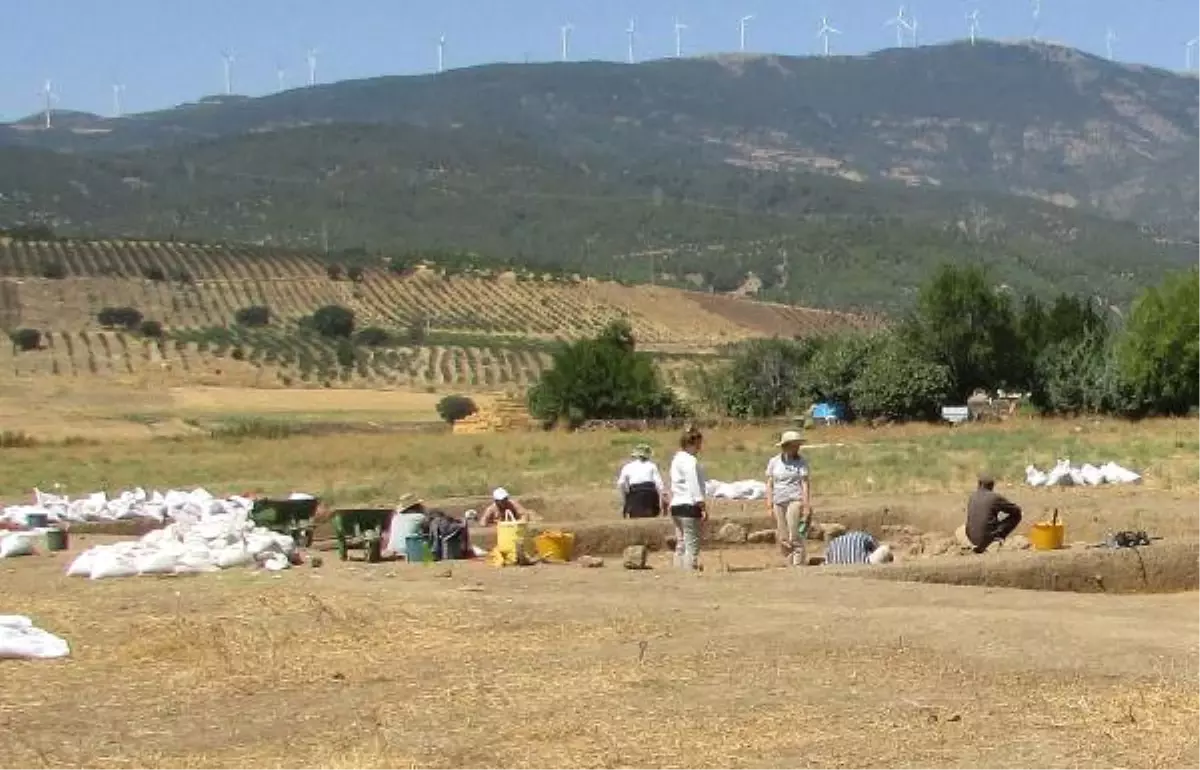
{"points": [[112, 563], [156, 563], [17, 544], [19, 638]]}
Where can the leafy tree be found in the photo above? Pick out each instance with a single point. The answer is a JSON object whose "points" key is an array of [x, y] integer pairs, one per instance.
{"points": [[254, 315], [120, 318], [154, 273], [961, 323], [836, 364], [151, 329], [601, 378], [763, 379], [454, 408], [1080, 376], [355, 273], [1159, 354], [897, 384], [333, 321], [335, 272], [26, 339]]}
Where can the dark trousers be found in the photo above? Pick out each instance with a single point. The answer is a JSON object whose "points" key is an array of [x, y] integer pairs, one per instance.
{"points": [[999, 528]]}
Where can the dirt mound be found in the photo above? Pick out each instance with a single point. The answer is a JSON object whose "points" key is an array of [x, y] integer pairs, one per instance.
{"points": [[1164, 567]]}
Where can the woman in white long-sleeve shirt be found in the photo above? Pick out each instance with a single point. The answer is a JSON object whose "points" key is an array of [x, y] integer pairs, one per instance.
{"points": [[687, 499], [641, 486]]}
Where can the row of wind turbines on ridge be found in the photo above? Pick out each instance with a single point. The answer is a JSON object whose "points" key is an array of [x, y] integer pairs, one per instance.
{"points": [[906, 26]]}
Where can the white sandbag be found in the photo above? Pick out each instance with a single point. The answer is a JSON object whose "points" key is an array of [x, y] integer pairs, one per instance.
{"points": [[1060, 475], [82, 564], [111, 563], [232, 556], [276, 562], [1034, 477], [258, 542], [1115, 474], [749, 489], [17, 544], [156, 563], [1091, 475], [20, 639]]}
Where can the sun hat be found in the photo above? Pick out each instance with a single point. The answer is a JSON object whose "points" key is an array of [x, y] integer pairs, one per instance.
{"points": [[499, 493], [641, 451], [407, 501], [790, 437]]}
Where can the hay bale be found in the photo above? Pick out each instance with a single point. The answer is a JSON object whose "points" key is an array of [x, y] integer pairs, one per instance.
{"points": [[761, 536], [634, 557], [731, 532]]}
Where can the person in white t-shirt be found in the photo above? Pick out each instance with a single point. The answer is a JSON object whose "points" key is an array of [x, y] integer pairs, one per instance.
{"points": [[788, 493], [641, 486], [687, 499]]}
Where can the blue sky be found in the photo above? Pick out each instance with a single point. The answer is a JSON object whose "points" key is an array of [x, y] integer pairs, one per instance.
{"points": [[169, 51]]}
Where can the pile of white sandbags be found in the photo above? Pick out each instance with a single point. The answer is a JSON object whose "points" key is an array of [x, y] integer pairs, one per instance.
{"points": [[130, 504], [1063, 474], [219, 537], [750, 489], [21, 639]]}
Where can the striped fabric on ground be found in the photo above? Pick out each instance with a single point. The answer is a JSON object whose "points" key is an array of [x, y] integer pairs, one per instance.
{"points": [[851, 548]]}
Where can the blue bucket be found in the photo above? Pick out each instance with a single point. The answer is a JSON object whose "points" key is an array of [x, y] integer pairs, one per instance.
{"points": [[414, 548]]}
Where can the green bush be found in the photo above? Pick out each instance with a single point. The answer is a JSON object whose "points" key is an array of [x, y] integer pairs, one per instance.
{"points": [[152, 329], [345, 354], [601, 378], [120, 318], [333, 321], [252, 316], [897, 384], [456, 407], [26, 339], [54, 270], [373, 337], [1159, 353]]}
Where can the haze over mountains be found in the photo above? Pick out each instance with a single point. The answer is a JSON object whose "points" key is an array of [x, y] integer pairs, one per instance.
{"points": [[835, 181]]}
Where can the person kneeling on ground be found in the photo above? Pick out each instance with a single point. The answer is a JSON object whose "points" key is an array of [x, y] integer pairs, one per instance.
{"points": [[501, 508], [990, 516], [406, 521], [857, 547], [641, 486]]}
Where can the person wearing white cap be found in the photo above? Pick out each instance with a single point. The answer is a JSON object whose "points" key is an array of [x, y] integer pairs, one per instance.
{"points": [[641, 485], [788, 493], [501, 508]]}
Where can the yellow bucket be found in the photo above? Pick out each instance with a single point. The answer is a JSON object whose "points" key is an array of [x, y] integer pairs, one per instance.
{"points": [[555, 546], [1046, 536], [512, 540]]}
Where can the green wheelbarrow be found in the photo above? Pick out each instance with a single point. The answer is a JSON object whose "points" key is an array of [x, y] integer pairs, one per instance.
{"points": [[361, 528], [289, 517]]}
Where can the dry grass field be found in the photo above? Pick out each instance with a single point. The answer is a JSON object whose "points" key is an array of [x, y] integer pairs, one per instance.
{"points": [[744, 665]]}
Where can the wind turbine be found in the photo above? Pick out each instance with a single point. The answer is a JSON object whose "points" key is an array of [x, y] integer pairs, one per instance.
{"points": [[564, 33], [51, 98], [312, 66], [826, 31], [441, 50], [631, 32], [1187, 53], [913, 25], [742, 31], [228, 58], [117, 90], [280, 76], [1110, 37], [901, 24], [973, 24], [679, 28], [1037, 18]]}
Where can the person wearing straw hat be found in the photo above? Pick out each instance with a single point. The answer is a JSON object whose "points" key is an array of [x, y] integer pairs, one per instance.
{"points": [[788, 493], [405, 521], [641, 485]]}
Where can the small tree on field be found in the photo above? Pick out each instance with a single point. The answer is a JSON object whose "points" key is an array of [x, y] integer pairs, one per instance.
{"points": [[152, 329], [154, 273], [127, 318], [26, 339], [897, 384], [602, 378], [333, 321], [456, 407], [355, 273], [254, 315], [373, 337], [345, 354], [335, 272]]}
